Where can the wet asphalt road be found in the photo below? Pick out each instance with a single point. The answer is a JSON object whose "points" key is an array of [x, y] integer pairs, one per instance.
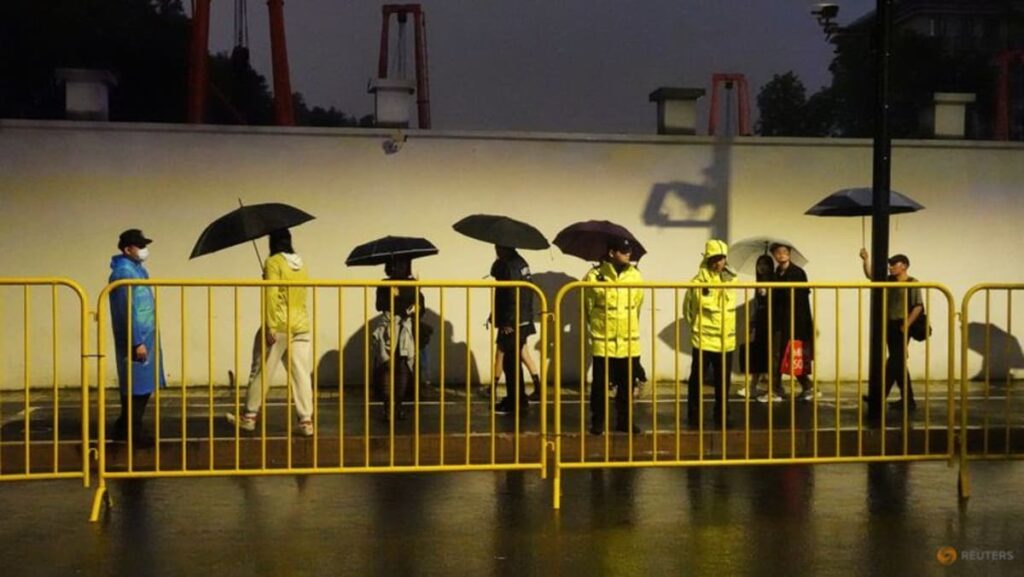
{"points": [[826, 520]]}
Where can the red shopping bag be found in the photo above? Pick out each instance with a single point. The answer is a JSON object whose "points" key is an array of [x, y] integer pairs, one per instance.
{"points": [[793, 359]]}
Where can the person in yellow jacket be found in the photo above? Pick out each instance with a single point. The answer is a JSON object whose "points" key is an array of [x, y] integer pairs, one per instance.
{"points": [[711, 316], [286, 330], [613, 320]]}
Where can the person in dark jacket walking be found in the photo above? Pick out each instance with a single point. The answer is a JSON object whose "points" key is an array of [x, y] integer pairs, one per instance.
{"points": [[513, 324], [791, 321], [398, 307]]}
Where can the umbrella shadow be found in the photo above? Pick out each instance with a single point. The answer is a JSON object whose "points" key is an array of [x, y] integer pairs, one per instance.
{"points": [[680, 204], [550, 282], [1003, 357], [354, 357]]}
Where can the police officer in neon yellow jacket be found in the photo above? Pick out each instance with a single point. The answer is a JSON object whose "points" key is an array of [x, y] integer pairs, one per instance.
{"points": [[613, 320], [711, 316]]}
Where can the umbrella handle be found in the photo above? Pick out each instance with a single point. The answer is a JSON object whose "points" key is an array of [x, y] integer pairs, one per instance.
{"points": [[259, 259]]}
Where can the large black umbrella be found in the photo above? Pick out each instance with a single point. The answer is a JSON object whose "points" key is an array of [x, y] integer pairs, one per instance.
{"points": [[502, 231], [589, 240], [247, 223], [858, 202], [382, 250]]}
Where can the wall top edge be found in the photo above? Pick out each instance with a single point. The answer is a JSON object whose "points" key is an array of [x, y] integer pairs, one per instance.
{"points": [[525, 136]]}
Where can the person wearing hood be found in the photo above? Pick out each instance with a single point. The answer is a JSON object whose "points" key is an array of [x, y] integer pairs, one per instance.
{"points": [[514, 324], [136, 316], [613, 320], [711, 316], [286, 333]]}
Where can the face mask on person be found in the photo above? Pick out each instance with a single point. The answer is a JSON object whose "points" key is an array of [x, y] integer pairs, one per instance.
{"points": [[142, 254]]}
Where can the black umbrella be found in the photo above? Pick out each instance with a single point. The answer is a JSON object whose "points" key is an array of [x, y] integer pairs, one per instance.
{"points": [[502, 231], [382, 250], [858, 202], [247, 223], [589, 240]]}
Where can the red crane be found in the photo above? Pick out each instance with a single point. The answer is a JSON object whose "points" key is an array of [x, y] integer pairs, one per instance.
{"points": [[420, 41], [198, 80]]}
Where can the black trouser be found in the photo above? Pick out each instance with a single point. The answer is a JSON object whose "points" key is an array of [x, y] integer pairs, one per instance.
{"points": [[896, 364], [713, 365], [510, 363], [617, 376], [139, 403]]}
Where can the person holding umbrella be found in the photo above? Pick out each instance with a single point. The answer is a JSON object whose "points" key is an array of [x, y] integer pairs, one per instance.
{"points": [[792, 327], [286, 333], [140, 347], [711, 315], [613, 320], [397, 306], [757, 340], [903, 307], [514, 326]]}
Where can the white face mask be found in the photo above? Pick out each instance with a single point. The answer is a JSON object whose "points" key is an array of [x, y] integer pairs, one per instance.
{"points": [[142, 254]]}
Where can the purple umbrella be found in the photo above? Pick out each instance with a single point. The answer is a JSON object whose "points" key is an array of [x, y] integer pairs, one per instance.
{"points": [[589, 240]]}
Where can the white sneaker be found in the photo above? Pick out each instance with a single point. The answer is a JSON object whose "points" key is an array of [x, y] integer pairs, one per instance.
{"points": [[809, 395], [742, 392], [305, 428], [247, 422], [773, 397]]}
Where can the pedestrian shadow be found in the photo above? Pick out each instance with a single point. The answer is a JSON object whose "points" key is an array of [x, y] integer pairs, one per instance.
{"points": [[1002, 358], [354, 358], [550, 282]]}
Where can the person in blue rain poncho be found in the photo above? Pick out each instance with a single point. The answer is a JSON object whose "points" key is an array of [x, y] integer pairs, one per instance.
{"points": [[141, 348]]}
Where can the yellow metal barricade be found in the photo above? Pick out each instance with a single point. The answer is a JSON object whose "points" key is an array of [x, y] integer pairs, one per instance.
{"points": [[41, 393], [992, 419], [361, 422], [831, 424]]}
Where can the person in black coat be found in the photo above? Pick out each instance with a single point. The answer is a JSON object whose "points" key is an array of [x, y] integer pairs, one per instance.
{"points": [[757, 341], [514, 325], [791, 321]]}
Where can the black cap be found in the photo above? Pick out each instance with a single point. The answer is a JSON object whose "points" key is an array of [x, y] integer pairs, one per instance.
{"points": [[899, 258], [620, 244], [132, 237]]}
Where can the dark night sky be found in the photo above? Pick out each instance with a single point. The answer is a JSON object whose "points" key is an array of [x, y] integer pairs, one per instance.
{"points": [[554, 65]]}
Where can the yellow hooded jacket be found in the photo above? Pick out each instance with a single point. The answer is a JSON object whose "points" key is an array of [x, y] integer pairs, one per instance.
{"points": [[613, 314], [286, 306], [711, 312]]}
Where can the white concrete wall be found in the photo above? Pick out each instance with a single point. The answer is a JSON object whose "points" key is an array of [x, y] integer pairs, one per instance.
{"points": [[68, 189]]}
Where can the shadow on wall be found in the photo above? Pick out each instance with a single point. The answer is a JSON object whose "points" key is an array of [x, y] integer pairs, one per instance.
{"points": [[550, 282], [1003, 357], [678, 204], [354, 356]]}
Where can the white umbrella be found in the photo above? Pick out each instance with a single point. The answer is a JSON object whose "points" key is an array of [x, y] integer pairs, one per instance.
{"points": [[743, 253]]}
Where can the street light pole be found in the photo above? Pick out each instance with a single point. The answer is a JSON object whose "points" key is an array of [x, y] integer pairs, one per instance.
{"points": [[880, 183]]}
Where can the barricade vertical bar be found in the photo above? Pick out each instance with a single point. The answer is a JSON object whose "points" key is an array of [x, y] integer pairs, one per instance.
{"points": [[988, 370], [792, 373], [678, 383], [860, 372], [184, 383], [238, 388], [517, 354], [927, 376], [56, 394], [772, 370], [263, 377], [416, 380], [747, 384], [881, 400], [469, 377], [341, 379], [26, 408], [814, 373], [1006, 353], [129, 359], [366, 376], [83, 372], [839, 437], [904, 378], [316, 380], [441, 369], [542, 385], [209, 371], [158, 343], [494, 376], [583, 373], [654, 377], [289, 374]]}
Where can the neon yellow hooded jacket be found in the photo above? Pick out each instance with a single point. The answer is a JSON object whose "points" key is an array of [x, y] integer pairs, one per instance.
{"points": [[613, 314], [286, 306], [711, 312]]}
